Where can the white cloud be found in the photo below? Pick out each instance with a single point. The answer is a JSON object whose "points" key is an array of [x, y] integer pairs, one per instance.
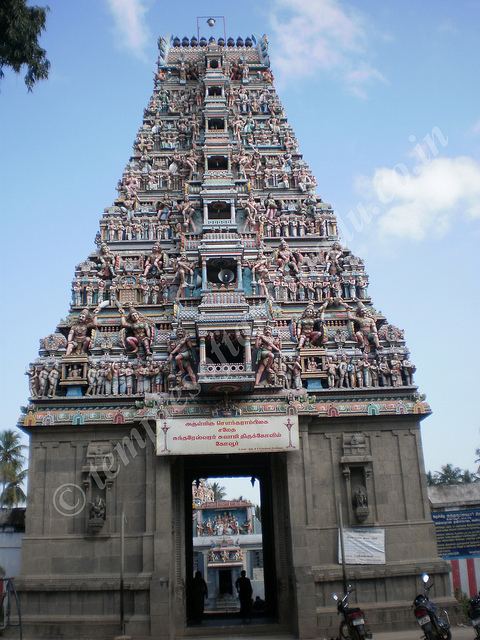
{"points": [[130, 24], [426, 200], [312, 36]]}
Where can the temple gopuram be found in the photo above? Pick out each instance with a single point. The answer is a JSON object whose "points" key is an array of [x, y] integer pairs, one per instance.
{"points": [[220, 328]]}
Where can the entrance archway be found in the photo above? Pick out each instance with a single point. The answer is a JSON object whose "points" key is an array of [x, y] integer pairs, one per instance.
{"points": [[267, 469]]}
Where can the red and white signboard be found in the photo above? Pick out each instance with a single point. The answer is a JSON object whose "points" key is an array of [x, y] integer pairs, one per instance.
{"points": [[240, 434]]}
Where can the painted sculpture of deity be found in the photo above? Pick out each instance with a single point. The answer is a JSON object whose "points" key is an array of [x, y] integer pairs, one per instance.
{"points": [[267, 348], [182, 267], [158, 259], [141, 329], [310, 327], [79, 336], [286, 259], [183, 354], [107, 262], [366, 328]]}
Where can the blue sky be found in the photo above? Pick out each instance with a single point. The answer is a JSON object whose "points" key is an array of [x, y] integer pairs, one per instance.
{"points": [[384, 98]]}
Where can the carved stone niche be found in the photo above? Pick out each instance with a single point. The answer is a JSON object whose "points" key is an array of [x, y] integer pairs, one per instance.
{"points": [[356, 465], [99, 471]]}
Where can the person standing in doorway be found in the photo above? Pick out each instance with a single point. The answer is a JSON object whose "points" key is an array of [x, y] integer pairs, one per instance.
{"points": [[244, 590], [199, 594]]}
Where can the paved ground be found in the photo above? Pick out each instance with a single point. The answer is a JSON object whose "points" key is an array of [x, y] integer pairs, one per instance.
{"points": [[458, 633]]}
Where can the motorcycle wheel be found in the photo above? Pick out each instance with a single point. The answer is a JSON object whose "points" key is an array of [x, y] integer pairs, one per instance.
{"points": [[344, 632], [446, 634], [428, 632], [360, 632]]}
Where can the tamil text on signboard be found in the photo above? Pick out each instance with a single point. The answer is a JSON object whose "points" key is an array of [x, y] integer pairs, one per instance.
{"points": [[190, 436], [458, 533]]}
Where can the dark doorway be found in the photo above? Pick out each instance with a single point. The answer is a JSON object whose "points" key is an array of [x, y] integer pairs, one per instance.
{"points": [[216, 534], [225, 581]]}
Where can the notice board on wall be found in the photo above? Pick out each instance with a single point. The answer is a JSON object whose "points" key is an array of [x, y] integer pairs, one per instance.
{"points": [[458, 533]]}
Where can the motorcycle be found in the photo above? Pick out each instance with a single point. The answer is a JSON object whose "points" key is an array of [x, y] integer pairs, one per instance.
{"points": [[474, 614], [434, 621], [352, 627]]}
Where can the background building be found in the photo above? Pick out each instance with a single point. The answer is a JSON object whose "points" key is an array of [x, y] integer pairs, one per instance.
{"points": [[227, 538], [12, 529]]}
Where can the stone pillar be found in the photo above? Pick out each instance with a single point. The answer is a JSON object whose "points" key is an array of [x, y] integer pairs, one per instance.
{"points": [[203, 352], [248, 352], [232, 212], [205, 213], [204, 275], [239, 275]]}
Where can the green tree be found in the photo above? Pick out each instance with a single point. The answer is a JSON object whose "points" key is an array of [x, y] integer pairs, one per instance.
{"points": [[13, 494], [449, 474], [20, 29], [219, 491], [11, 467], [468, 477]]}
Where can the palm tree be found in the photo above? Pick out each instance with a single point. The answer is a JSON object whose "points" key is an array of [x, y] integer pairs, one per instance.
{"points": [[13, 494], [11, 463], [219, 491], [449, 474], [431, 479], [468, 477]]}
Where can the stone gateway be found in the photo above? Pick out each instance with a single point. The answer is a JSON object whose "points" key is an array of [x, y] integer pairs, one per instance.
{"points": [[219, 328]]}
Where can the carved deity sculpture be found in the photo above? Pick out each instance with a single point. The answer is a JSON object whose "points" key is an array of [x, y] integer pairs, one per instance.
{"points": [[265, 343], [53, 377], [310, 326], [286, 259], [78, 341], [140, 328], [260, 267], [334, 259], [97, 509], [182, 267], [366, 330], [183, 354], [157, 259], [359, 497], [107, 262]]}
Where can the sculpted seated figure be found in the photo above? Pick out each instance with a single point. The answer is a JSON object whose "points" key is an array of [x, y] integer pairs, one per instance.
{"points": [[140, 328], [78, 341], [286, 259], [157, 259], [310, 327], [366, 328]]}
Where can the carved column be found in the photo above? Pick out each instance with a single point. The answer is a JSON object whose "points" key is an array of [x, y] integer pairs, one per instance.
{"points": [[248, 353], [204, 275], [239, 275], [203, 351]]}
